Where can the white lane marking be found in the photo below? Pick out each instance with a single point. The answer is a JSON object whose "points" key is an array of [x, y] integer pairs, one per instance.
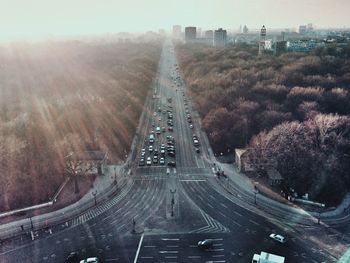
{"points": [[236, 223], [223, 205], [212, 197], [210, 205], [216, 261], [168, 252], [216, 239], [217, 249], [222, 214], [138, 249], [172, 246], [218, 256], [192, 180], [170, 239], [255, 223], [146, 257], [194, 256], [237, 213], [149, 246]]}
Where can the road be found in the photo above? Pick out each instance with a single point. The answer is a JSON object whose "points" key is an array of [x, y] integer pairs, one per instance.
{"points": [[162, 213]]}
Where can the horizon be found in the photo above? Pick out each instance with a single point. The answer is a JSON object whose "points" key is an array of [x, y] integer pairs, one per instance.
{"points": [[40, 19]]}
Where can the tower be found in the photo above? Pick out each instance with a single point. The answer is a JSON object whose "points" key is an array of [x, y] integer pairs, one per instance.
{"points": [[262, 40]]}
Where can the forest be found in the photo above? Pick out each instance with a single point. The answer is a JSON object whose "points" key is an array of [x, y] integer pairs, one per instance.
{"points": [[295, 107], [62, 96]]}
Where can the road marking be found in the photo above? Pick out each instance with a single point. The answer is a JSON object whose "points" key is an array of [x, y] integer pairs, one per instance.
{"points": [[149, 246], [168, 252], [217, 249], [218, 256], [236, 223], [170, 239], [194, 256], [138, 249], [255, 223], [210, 205], [223, 205], [146, 257], [192, 180], [172, 246], [222, 214], [217, 261], [216, 239], [237, 213]]}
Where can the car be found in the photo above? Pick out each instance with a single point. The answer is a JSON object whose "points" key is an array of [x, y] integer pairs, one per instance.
{"points": [[170, 142], [90, 260], [171, 154], [142, 154], [163, 129], [142, 162], [278, 238], [155, 159], [159, 109], [153, 124], [73, 257], [170, 128], [170, 138], [172, 164], [191, 126], [189, 120], [154, 113], [205, 244], [149, 161], [150, 148], [162, 152], [159, 119], [195, 142], [197, 150], [158, 130], [155, 152], [161, 161]]}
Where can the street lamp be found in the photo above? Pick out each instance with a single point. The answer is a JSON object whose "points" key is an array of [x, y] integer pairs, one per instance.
{"points": [[31, 223], [115, 176], [94, 193], [172, 201]]}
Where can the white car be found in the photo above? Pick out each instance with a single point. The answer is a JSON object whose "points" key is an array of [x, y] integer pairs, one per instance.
{"points": [[90, 260], [278, 238], [191, 126], [149, 161], [161, 161], [150, 148]]}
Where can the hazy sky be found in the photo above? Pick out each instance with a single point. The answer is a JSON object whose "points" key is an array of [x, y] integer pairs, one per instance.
{"points": [[40, 17]]}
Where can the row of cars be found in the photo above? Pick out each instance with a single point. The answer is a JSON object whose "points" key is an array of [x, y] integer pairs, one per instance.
{"points": [[158, 156]]}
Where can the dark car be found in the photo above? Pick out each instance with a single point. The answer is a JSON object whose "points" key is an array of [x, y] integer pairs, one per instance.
{"points": [[197, 150], [170, 128], [205, 244], [73, 257], [172, 164], [171, 154]]}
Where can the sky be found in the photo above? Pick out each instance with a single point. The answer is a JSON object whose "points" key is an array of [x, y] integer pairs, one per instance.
{"points": [[32, 18]]}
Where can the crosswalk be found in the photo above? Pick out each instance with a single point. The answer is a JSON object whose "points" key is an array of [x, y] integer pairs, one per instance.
{"points": [[97, 210], [212, 226]]}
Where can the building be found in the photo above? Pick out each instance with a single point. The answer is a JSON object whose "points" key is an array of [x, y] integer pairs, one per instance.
{"points": [[190, 34], [199, 32], [242, 160], [262, 40], [220, 37], [245, 29], [209, 34], [177, 31], [280, 47], [86, 162], [303, 45]]}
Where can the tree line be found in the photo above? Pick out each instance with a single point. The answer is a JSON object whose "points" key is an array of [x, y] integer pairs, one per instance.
{"points": [[296, 104], [59, 97]]}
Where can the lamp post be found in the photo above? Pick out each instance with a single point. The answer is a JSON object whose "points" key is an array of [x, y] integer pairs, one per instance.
{"points": [[172, 201], [94, 193], [31, 223], [115, 176], [255, 193], [133, 225]]}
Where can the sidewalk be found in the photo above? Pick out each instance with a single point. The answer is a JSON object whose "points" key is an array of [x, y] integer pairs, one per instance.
{"points": [[102, 186], [243, 182]]}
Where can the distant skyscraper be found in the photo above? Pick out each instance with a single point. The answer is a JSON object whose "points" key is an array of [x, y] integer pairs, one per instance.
{"points": [[177, 31], [199, 32], [262, 40], [220, 37], [209, 34], [190, 34], [245, 29]]}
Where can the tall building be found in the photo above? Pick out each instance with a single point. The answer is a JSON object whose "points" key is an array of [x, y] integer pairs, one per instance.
{"points": [[245, 29], [190, 34], [220, 37], [199, 32], [262, 40], [209, 34], [177, 31]]}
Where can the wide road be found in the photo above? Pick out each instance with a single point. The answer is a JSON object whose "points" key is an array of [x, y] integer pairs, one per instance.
{"points": [[165, 209]]}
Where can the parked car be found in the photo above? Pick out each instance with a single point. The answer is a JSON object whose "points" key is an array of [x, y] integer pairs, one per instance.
{"points": [[278, 238], [171, 154], [205, 244], [161, 161], [155, 159]]}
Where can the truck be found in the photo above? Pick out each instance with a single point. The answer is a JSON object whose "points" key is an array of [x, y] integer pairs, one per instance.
{"points": [[265, 257]]}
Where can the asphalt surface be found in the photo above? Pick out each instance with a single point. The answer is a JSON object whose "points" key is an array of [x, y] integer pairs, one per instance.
{"points": [[162, 213]]}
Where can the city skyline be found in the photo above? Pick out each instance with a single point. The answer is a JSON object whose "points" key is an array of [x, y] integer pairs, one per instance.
{"points": [[38, 18]]}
